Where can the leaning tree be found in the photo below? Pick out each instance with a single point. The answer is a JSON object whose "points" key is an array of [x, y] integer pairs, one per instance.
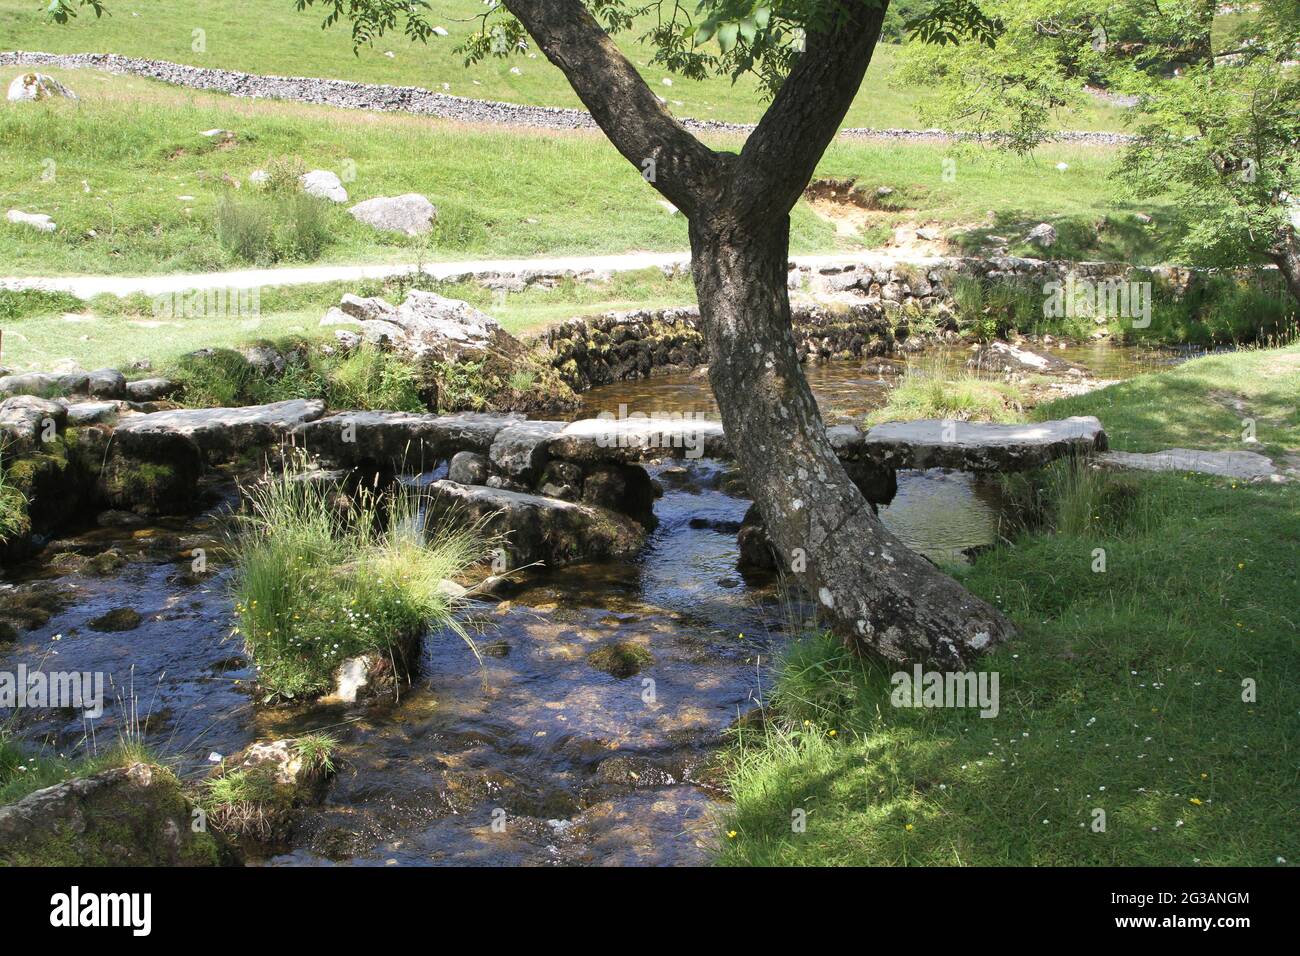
{"points": [[810, 56]]}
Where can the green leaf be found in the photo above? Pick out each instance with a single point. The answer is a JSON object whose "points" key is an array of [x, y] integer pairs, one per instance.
{"points": [[727, 36], [748, 29]]}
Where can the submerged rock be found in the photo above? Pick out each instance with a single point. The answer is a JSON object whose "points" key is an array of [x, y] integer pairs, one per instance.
{"points": [[118, 619], [622, 659]]}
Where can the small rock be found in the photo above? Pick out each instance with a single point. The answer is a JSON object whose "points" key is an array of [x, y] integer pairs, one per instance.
{"points": [[37, 220], [1042, 235], [323, 184]]}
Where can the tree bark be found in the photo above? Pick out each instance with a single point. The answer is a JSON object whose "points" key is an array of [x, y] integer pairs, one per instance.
{"points": [[1286, 256], [868, 584]]}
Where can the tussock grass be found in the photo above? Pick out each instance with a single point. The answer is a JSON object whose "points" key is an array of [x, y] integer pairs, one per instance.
{"points": [[316, 585], [930, 390]]}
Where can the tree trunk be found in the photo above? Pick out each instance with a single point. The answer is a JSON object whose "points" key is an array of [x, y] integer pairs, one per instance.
{"points": [[870, 586], [1286, 255]]}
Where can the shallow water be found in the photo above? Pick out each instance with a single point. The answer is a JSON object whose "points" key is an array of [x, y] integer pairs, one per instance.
{"points": [[537, 757]]}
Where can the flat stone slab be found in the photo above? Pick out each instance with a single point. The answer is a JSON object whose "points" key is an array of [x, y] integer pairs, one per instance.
{"points": [[218, 430], [1245, 465], [401, 440], [637, 439], [979, 446], [536, 528]]}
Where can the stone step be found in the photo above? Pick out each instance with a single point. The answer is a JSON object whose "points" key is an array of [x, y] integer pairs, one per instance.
{"points": [[534, 528], [1244, 465], [980, 446]]}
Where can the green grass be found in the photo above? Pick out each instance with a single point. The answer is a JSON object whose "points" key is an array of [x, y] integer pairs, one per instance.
{"points": [[313, 589], [112, 168], [24, 771], [14, 519], [1123, 691], [935, 390], [269, 36]]}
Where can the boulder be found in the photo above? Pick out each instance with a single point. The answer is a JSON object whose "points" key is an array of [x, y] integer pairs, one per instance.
{"points": [[106, 383], [519, 450], [36, 220], [411, 214], [1042, 235], [125, 816], [30, 87], [324, 185], [30, 383], [468, 468], [400, 441], [450, 330], [93, 413], [150, 389], [26, 421], [539, 529]]}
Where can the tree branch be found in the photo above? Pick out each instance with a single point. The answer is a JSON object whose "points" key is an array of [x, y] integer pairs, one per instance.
{"points": [[641, 128], [779, 157]]}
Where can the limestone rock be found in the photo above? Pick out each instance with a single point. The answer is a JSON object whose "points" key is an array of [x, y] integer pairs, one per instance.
{"points": [[324, 185], [125, 816], [536, 528], [410, 214], [37, 220], [31, 87]]}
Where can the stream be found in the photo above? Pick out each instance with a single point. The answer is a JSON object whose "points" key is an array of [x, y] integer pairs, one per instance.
{"points": [[536, 757]]}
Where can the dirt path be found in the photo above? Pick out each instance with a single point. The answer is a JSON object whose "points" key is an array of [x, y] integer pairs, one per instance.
{"points": [[87, 287]]}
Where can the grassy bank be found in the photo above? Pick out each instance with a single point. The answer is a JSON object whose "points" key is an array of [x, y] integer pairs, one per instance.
{"points": [[270, 36], [128, 164], [1122, 693]]}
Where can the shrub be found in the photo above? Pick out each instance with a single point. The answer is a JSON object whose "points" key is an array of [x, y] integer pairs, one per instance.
{"points": [[314, 588]]}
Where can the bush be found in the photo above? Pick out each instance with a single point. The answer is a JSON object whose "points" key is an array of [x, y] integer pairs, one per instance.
{"points": [[24, 303], [313, 589]]}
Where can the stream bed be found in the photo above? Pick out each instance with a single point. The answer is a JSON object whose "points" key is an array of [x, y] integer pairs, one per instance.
{"points": [[536, 757]]}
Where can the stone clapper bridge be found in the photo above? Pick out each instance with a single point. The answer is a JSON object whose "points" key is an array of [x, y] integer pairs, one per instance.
{"points": [[553, 492]]}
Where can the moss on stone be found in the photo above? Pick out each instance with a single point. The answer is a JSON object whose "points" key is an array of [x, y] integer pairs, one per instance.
{"points": [[622, 659]]}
